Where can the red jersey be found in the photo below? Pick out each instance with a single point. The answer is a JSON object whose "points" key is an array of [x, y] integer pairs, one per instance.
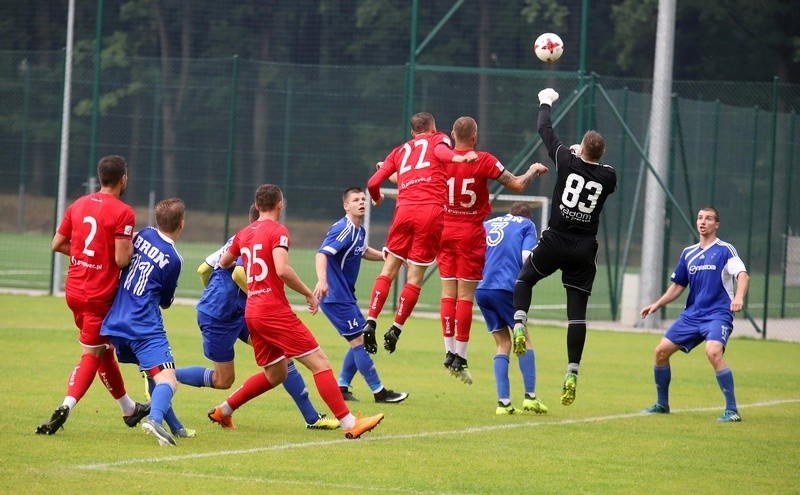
{"points": [[92, 224], [468, 188], [254, 243], [421, 177]]}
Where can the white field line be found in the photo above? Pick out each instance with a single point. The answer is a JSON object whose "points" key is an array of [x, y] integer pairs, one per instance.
{"points": [[407, 436], [319, 485]]}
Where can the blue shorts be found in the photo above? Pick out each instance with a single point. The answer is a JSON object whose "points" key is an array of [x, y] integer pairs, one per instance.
{"points": [[219, 336], [149, 353], [346, 318], [497, 308], [687, 333]]}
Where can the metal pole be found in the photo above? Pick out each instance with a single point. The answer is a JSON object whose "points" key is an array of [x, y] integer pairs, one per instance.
{"points": [[151, 203], [63, 161], [91, 175], [789, 195], [772, 159], [287, 138], [658, 151], [231, 144], [23, 152], [713, 181]]}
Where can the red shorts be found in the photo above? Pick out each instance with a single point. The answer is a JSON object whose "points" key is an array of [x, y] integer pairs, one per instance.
{"points": [[415, 233], [277, 334], [463, 252], [89, 318]]}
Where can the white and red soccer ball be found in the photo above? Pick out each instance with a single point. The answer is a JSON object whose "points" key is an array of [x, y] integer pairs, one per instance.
{"points": [[548, 47]]}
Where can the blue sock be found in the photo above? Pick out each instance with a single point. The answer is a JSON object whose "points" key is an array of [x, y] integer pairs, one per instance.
{"points": [[349, 369], [366, 366], [662, 375], [501, 376], [196, 376], [171, 419], [725, 380], [296, 386], [527, 365], [160, 402]]}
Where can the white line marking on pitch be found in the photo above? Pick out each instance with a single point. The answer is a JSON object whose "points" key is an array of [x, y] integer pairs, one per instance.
{"points": [[426, 434]]}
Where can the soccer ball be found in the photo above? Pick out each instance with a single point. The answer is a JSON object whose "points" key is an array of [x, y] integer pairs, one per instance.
{"points": [[548, 47]]}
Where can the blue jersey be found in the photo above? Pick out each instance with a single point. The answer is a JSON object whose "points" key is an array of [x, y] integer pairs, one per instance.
{"points": [[222, 298], [506, 237], [709, 274], [344, 245], [149, 282]]}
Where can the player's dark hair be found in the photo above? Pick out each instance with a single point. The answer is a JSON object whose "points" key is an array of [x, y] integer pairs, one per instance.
{"points": [[464, 128], [422, 122], [111, 169], [169, 214], [710, 208], [593, 145], [267, 197], [521, 210], [253, 213], [351, 190]]}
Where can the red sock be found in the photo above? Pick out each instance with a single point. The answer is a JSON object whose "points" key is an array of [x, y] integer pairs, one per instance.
{"points": [[110, 375], [463, 319], [380, 292], [82, 376], [328, 389], [408, 299], [447, 315], [250, 389]]}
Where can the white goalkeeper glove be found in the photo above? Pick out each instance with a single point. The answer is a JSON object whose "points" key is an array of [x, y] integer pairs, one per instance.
{"points": [[547, 96]]}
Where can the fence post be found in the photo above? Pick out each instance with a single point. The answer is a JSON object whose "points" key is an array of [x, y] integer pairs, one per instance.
{"points": [[24, 67], [231, 144], [773, 145], [151, 201], [715, 140], [98, 58], [787, 227]]}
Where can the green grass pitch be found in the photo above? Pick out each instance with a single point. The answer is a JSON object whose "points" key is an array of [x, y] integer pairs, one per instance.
{"points": [[445, 439]]}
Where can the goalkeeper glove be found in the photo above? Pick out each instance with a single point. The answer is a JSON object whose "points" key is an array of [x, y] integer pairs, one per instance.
{"points": [[547, 96]]}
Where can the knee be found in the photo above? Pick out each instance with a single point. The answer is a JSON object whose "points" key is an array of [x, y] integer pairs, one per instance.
{"points": [[714, 356], [223, 382], [661, 356]]}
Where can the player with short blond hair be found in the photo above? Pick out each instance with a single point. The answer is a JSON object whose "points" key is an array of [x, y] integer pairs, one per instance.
{"points": [[463, 247]]}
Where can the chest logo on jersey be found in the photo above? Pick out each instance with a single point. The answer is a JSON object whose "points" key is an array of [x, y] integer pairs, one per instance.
{"points": [[151, 251], [698, 268]]}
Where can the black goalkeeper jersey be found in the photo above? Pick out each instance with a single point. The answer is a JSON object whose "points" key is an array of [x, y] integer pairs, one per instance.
{"points": [[581, 188]]}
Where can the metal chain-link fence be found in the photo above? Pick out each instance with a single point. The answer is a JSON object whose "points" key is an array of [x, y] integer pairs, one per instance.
{"points": [[211, 130]]}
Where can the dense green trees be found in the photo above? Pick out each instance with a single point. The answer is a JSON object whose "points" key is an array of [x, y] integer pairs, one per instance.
{"points": [[721, 40]]}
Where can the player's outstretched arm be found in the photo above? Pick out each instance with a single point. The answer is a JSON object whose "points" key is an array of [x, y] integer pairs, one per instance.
{"points": [[672, 293], [518, 183]]}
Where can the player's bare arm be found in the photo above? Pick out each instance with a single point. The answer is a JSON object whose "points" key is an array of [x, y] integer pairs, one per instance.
{"points": [[284, 270], [123, 252], [60, 244], [465, 158], [226, 260], [518, 183], [672, 293], [742, 283], [321, 267], [372, 254]]}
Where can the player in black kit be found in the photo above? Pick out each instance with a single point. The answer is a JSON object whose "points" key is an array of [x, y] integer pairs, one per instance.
{"points": [[570, 242]]}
